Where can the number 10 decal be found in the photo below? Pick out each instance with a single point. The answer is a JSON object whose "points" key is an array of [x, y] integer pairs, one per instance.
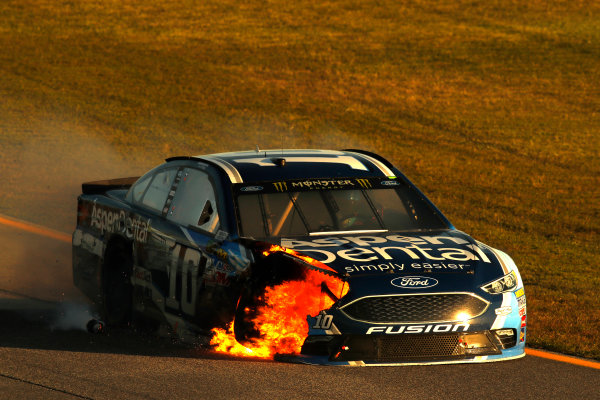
{"points": [[324, 321], [189, 260]]}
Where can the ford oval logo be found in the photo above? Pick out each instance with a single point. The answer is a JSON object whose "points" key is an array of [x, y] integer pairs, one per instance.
{"points": [[390, 183], [414, 282], [251, 188]]}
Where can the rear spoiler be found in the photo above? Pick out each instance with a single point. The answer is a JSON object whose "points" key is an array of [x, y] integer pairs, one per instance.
{"points": [[100, 187]]}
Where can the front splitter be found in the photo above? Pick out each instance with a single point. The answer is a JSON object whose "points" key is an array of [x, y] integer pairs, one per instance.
{"points": [[324, 360]]}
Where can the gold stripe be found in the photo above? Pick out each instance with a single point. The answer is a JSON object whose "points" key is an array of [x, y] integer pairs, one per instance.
{"points": [[499, 258]]}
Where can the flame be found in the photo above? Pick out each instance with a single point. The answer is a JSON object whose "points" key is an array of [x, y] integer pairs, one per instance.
{"points": [[314, 263], [281, 320]]}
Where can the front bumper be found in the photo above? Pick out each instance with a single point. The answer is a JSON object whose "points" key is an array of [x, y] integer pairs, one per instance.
{"points": [[410, 349], [361, 350]]}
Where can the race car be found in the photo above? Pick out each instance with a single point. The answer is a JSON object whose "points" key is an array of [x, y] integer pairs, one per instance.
{"points": [[328, 257]]}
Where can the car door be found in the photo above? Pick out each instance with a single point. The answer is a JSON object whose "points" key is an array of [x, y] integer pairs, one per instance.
{"points": [[152, 257], [199, 276]]}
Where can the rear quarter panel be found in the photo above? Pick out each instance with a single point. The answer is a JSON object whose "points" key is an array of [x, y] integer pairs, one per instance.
{"points": [[100, 218]]}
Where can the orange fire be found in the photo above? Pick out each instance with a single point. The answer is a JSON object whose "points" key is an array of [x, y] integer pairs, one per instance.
{"points": [[314, 263], [282, 319]]}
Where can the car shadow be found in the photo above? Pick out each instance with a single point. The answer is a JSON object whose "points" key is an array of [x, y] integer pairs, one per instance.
{"points": [[30, 323]]}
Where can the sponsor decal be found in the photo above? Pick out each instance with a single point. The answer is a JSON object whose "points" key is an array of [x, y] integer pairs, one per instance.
{"points": [[503, 310], [520, 292], [280, 186], [221, 235], [374, 253], [214, 249], [406, 329], [523, 327], [466, 267], [316, 184], [110, 221], [522, 302], [217, 278], [251, 188], [414, 282], [364, 183], [390, 183], [238, 259], [416, 267], [322, 184], [222, 266], [375, 267], [213, 266]]}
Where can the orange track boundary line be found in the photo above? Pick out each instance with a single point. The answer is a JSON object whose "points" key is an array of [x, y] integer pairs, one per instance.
{"points": [[33, 228], [560, 357]]}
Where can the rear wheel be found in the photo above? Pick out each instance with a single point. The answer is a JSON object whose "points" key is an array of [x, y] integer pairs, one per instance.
{"points": [[117, 290]]}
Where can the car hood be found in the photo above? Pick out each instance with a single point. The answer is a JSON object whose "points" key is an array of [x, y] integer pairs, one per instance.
{"points": [[401, 253]]}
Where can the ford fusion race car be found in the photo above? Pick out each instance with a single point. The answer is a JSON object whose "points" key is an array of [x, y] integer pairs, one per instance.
{"points": [[321, 257]]}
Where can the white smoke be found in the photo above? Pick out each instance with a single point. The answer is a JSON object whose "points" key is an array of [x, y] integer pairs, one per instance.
{"points": [[73, 316]]}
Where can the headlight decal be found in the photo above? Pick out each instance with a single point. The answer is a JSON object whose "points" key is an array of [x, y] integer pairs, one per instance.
{"points": [[507, 283], [506, 262]]}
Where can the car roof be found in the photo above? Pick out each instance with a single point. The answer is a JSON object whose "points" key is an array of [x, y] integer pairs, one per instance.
{"points": [[284, 164]]}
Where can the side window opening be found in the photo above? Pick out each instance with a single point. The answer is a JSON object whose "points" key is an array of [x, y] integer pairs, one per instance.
{"points": [[140, 188], [195, 201], [206, 213], [156, 193]]}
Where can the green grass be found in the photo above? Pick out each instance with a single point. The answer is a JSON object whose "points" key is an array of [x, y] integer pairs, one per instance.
{"points": [[491, 107]]}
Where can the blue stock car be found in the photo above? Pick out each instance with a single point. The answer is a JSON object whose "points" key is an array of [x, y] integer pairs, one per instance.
{"points": [[193, 244]]}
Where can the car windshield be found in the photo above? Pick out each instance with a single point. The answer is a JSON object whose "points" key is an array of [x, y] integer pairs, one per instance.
{"points": [[292, 208]]}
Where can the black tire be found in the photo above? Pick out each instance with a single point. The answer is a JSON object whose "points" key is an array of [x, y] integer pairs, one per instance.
{"points": [[117, 290], [276, 269], [243, 328]]}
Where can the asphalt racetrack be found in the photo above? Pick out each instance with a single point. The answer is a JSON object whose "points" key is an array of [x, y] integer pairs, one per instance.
{"points": [[45, 353]]}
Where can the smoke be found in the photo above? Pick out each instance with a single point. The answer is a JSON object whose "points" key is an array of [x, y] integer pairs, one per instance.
{"points": [[42, 173], [42, 166], [72, 316], [44, 161]]}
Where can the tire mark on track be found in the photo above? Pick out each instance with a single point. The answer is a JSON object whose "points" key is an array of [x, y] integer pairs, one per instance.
{"points": [[24, 296], [45, 386]]}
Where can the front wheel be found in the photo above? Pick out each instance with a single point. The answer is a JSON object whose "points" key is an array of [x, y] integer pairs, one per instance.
{"points": [[243, 327]]}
